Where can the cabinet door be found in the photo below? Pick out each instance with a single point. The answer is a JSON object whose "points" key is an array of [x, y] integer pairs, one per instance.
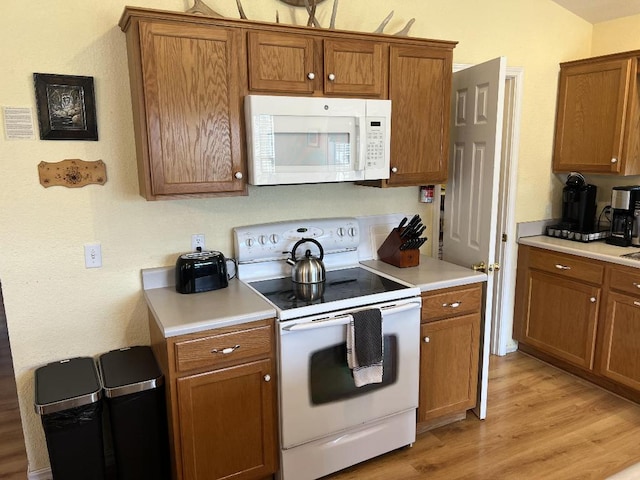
{"points": [[192, 103], [620, 355], [592, 109], [560, 317], [420, 91], [448, 366], [227, 427], [354, 67], [281, 62]]}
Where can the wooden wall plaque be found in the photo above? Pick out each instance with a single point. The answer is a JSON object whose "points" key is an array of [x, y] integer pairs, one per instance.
{"points": [[72, 173]]}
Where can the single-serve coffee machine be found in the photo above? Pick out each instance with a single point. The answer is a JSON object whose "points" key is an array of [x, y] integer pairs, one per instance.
{"points": [[625, 205], [578, 204]]}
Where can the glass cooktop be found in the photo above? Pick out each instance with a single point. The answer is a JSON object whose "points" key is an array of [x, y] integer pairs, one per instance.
{"points": [[339, 285]]}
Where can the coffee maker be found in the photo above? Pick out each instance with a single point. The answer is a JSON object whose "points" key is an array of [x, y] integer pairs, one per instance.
{"points": [[625, 205], [578, 204]]}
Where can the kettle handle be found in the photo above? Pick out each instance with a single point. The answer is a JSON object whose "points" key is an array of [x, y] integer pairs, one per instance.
{"points": [[304, 240]]}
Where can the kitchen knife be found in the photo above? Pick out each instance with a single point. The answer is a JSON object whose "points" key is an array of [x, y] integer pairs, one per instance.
{"points": [[413, 231], [421, 231], [402, 222], [409, 230]]}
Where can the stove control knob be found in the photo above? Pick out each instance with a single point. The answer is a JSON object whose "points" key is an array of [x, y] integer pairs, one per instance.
{"points": [[249, 242], [341, 232], [353, 232], [274, 238], [262, 239]]}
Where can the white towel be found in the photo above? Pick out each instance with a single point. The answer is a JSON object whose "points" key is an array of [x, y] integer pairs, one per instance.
{"points": [[362, 374]]}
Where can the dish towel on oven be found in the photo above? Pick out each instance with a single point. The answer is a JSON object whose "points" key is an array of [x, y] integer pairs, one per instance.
{"points": [[364, 346]]}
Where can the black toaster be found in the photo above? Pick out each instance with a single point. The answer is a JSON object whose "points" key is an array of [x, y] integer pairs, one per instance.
{"points": [[201, 272]]}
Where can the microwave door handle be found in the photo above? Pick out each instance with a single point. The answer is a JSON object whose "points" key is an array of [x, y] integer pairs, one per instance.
{"points": [[361, 143]]}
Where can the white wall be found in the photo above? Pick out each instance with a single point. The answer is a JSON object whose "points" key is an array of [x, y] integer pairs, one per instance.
{"points": [[58, 309]]}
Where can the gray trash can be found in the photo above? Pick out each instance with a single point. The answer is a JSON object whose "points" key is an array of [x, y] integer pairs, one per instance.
{"points": [[134, 390], [68, 398]]}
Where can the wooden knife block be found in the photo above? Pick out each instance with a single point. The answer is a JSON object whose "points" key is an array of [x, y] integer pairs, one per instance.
{"points": [[389, 252]]}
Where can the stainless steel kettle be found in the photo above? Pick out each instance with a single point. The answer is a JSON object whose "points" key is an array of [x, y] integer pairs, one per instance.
{"points": [[308, 269]]}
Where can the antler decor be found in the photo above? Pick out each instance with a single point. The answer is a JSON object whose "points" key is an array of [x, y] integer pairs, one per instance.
{"points": [[201, 8]]}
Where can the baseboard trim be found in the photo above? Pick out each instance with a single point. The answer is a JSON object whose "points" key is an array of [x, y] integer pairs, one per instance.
{"points": [[43, 474]]}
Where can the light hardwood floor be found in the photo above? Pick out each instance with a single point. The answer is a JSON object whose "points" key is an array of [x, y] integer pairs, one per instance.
{"points": [[13, 458], [542, 424]]}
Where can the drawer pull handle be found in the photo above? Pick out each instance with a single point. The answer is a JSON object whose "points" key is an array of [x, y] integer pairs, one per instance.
{"points": [[562, 267], [226, 351], [452, 305], [636, 303], [267, 378], [427, 339]]}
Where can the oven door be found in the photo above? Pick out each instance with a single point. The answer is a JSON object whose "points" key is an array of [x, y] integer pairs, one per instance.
{"points": [[318, 396]]}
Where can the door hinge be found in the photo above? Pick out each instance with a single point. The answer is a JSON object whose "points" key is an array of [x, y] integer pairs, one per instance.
{"points": [[504, 237]]}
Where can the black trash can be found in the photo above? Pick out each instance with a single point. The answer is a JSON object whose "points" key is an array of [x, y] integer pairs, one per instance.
{"points": [[134, 390], [68, 398]]}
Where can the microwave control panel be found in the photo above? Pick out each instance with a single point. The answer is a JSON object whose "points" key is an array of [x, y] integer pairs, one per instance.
{"points": [[375, 143]]}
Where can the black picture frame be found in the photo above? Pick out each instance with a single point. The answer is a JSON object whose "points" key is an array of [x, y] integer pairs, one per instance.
{"points": [[66, 107]]}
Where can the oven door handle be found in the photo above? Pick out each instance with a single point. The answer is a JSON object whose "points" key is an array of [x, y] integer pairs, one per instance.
{"points": [[345, 319]]}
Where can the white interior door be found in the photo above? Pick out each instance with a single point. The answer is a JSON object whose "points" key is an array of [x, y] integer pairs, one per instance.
{"points": [[471, 200]]}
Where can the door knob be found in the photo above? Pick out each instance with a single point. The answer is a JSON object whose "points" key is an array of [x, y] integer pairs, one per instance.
{"points": [[479, 267]]}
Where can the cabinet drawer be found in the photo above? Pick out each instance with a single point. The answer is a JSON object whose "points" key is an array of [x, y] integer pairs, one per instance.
{"points": [[625, 279], [224, 349], [567, 266], [451, 302]]}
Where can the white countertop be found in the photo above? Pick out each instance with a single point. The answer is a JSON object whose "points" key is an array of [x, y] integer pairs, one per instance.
{"points": [[179, 314], [599, 250], [430, 274]]}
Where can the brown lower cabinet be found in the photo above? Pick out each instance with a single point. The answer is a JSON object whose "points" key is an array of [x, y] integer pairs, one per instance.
{"points": [[449, 353], [221, 398], [582, 315]]}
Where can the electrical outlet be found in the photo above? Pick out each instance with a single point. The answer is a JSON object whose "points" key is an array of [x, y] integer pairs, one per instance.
{"points": [[197, 241], [92, 255]]}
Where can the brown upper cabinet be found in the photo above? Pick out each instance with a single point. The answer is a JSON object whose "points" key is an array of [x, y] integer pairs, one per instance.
{"points": [[185, 85], [598, 121], [189, 75], [420, 92], [293, 63]]}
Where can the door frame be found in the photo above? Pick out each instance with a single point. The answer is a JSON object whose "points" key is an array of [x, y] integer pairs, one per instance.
{"points": [[507, 251]]}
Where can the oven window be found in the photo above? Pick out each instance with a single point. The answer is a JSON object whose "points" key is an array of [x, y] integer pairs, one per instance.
{"points": [[331, 380]]}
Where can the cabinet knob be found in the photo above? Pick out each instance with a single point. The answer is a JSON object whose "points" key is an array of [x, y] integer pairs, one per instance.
{"points": [[427, 339], [614, 160], [636, 284], [394, 169], [311, 75], [332, 77], [238, 175], [267, 378], [592, 299]]}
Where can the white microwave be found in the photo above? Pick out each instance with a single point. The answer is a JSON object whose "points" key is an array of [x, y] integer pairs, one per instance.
{"points": [[316, 140]]}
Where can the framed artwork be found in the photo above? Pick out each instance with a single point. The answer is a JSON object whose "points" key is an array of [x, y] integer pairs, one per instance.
{"points": [[66, 107]]}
